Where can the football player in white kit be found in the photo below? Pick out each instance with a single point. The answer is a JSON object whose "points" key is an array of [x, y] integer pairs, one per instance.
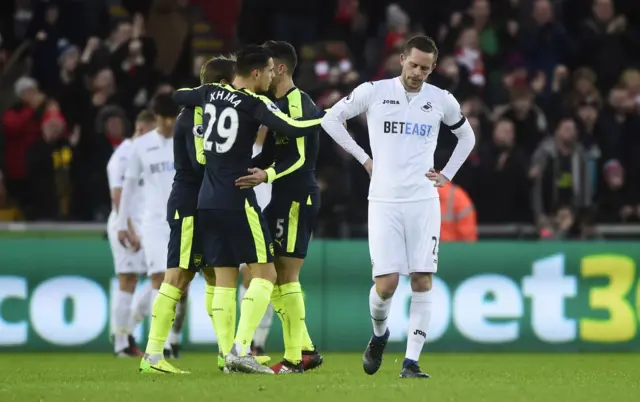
{"points": [[263, 195], [152, 158], [404, 115], [129, 263]]}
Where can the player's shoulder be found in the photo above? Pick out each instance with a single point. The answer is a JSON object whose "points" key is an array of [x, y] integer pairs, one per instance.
{"points": [[144, 140], [442, 94]]}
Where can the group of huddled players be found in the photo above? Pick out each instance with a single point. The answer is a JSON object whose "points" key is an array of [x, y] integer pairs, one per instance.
{"points": [[248, 126]]}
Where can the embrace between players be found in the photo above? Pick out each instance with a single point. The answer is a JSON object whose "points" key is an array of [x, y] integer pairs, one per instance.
{"points": [[216, 223]]}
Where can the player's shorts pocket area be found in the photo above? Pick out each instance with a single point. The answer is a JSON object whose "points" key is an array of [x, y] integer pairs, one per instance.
{"points": [[183, 240], [291, 224]]}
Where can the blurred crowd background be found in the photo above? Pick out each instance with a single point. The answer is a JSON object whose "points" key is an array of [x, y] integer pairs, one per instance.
{"points": [[551, 88]]}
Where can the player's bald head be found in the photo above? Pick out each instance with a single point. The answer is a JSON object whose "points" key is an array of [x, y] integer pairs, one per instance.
{"points": [[220, 69]]}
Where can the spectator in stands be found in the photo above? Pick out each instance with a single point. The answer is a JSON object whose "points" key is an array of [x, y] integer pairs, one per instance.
{"points": [[530, 121], [614, 202], [459, 221], [21, 127], [48, 39], [48, 167], [502, 179], [560, 174], [606, 43]]}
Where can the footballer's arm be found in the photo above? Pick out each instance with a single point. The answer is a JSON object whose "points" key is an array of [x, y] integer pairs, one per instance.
{"points": [[195, 142], [268, 114], [190, 97], [461, 128], [349, 107], [266, 157], [127, 199]]}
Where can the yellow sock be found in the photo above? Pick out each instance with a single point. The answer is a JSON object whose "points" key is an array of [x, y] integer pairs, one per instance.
{"points": [[162, 316], [254, 305], [208, 303], [294, 306], [307, 344], [280, 309], [223, 309]]}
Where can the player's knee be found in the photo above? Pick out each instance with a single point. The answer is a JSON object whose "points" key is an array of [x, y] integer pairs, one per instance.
{"points": [[288, 270], [421, 281], [179, 278], [226, 277], [127, 282], [386, 285], [264, 271], [209, 276]]}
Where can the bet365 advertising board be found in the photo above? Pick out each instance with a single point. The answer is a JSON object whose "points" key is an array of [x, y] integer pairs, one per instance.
{"points": [[56, 293]]}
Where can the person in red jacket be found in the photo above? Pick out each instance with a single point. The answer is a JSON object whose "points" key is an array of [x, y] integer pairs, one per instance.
{"points": [[21, 128]]}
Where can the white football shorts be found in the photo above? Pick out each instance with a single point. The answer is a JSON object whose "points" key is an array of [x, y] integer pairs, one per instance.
{"points": [[404, 237], [155, 242], [125, 260]]}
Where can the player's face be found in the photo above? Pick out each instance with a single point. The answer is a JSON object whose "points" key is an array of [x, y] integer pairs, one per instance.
{"points": [[143, 128], [416, 67], [279, 71], [265, 77]]}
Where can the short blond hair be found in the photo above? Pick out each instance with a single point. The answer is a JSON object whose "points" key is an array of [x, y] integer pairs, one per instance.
{"points": [[146, 117]]}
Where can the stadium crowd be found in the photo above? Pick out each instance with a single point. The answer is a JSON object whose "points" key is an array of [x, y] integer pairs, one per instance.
{"points": [[551, 88]]}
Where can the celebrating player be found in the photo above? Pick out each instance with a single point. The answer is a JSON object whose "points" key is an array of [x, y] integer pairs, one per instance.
{"points": [[234, 229], [263, 196], [129, 263], [291, 214], [151, 157], [184, 251], [404, 115]]}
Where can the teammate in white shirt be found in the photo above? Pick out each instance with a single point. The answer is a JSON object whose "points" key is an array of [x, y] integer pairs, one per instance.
{"points": [[152, 158], [404, 115], [263, 195], [129, 264]]}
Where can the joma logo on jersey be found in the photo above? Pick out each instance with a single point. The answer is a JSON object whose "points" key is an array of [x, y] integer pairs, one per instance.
{"points": [[225, 96], [161, 167], [390, 102], [407, 128]]}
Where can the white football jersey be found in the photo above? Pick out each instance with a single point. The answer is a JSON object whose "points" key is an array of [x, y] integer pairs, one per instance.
{"points": [[403, 133], [116, 169], [263, 191], [152, 158]]}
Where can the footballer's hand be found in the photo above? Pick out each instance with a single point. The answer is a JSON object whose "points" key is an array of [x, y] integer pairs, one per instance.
{"points": [[123, 238], [437, 178], [368, 165], [256, 177], [134, 241]]}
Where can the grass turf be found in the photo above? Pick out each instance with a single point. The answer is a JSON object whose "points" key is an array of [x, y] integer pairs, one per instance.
{"points": [[455, 377]]}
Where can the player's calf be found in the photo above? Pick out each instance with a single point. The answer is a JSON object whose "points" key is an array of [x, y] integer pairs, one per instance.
{"points": [[122, 316]]}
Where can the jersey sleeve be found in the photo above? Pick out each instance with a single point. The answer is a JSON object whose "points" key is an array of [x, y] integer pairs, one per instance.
{"points": [[195, 143], [461, 128], [134, 164], [116, 170], [268, 114], [349, 107], [453, 117], [300, 106], [190, 97]]}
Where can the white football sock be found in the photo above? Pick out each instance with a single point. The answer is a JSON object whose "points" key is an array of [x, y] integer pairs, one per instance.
{"points": [[122, 312], [241, 292], [152, 299], [181, 313], [379, 312], [419, 318], [262, 332], [142, 307]]}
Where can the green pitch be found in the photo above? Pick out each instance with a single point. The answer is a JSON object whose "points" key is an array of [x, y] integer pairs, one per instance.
{"points": [[455, 377]]}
